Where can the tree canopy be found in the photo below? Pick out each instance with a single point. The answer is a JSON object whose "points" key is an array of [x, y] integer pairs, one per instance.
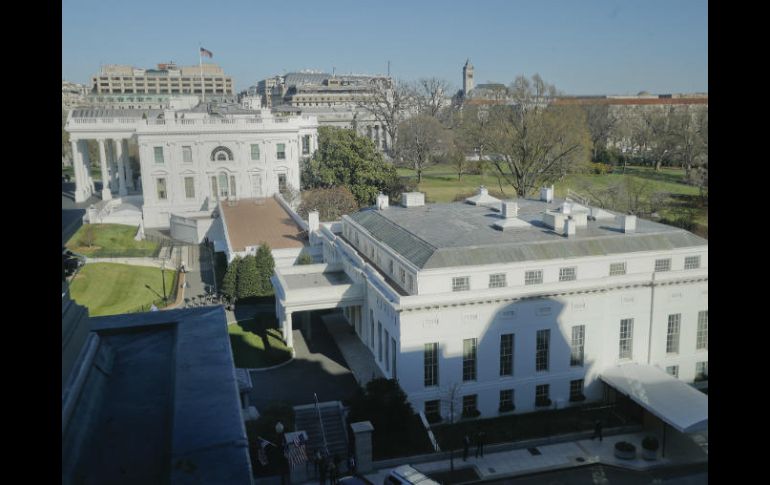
{"points": [[230, 280], [331, 203], [346, 158], [265, 265]]}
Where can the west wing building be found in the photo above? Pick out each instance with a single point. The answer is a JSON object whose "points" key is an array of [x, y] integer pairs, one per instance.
{"points": [[517, 305]]}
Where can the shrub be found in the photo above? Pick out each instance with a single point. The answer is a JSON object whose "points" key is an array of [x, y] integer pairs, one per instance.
{"points": [[600, 168], [434, 418], [230, 280], [304, 258], [625, 447], [650, 443]]}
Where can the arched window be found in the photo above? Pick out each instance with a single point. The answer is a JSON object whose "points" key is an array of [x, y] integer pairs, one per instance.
{"points": [[221, 154]]}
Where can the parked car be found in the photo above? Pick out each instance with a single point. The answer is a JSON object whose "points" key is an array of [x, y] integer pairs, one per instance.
{"points": [[407, 475]]}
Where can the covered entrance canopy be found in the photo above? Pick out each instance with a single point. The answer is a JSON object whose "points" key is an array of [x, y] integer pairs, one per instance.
{"points": [[312, 287], [676, 403]]}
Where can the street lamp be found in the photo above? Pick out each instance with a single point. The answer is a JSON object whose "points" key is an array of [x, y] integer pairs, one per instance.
{"points": [[163, 279]]}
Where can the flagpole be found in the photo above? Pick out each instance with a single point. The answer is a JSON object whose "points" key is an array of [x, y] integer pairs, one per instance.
{"points": [[200, 65]]}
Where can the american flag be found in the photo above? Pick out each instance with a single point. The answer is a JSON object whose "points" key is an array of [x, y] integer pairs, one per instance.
{"points": [[295, 451], [206, 53], [261, 455]]}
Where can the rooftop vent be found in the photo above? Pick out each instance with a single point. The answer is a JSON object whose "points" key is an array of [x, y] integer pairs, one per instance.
{"points": [[570, 227], [510, 209], [413, 199], [546, 194], [483, 198], [628, 223], [554, 220], [382, 202]]}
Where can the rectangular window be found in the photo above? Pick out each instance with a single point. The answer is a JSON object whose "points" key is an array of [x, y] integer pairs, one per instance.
{"points": [[433, 410], [306, 145], [568, 274], [672, 335], [379, 341], [701, 371], [214, 189], [387, 351], [282, 183], [506, 354], [409, 282], [577, 345], [158, 154], [189, 187], [431, 364], [281, 151], [371, 335], [702, 341], [161, 185], [469, 359], [541, 356], [393, 354], [542, 394], [461, 284], [497, 280], [617, 269], [506, 400], [662, 265], [626, 337], [255, 152], [470, 403], [673, 370], [692, 262], [186, 154], [576, 390], [402, 275], [533, 277]]}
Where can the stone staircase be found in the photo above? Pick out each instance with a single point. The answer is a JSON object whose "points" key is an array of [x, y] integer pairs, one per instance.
{"points": [[306, 419]]}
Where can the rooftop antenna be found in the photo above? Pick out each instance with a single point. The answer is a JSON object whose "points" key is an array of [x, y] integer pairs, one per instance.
{"points": [[388, 68], [333, 69]]}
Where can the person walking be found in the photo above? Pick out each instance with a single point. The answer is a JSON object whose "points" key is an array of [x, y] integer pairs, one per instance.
{"points": [[466, 445], [352, 465], [597, 430], [333, 472], [480, 444]]}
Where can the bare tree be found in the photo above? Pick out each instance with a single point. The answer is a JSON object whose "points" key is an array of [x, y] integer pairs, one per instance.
{"points": [[390, 103], [533, 143], [450, 396], [686, 126], [601, 125], [431, 96], [423, 139]]}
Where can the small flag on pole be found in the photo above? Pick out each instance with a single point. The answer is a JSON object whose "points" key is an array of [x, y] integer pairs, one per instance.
{"points": [[206, 53], [261, 455], [295, 451]]}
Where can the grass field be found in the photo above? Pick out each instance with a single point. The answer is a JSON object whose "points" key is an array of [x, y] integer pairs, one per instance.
{"points": [[110, 240], [247, 338], [109, 289]]}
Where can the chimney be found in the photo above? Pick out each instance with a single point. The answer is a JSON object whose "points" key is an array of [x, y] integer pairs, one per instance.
{"points": [[510, 209], [546, 194], [312, 221], [566, 208], [569, 227], [413, 199], [554, 220], [629, 224], [382, 201]]}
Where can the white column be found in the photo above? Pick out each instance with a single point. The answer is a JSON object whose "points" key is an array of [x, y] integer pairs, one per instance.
{"points": [[77, 165], [121, 176], [112, 165], [89, 181], [126, 164], [129, 171], [106, 193], [288, 336]]}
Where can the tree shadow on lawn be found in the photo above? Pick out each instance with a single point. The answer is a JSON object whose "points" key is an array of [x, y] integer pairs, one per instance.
{"points": [[246, 355]]}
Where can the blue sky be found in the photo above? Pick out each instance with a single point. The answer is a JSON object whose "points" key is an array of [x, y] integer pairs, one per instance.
{"points": [[583, 47]]}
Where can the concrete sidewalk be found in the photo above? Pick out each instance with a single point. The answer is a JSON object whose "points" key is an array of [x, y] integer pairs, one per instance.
{"points": [[555, 456]]}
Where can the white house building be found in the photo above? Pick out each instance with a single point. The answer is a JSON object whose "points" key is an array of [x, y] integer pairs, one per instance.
{"points": [[519, 305], [190, 158]]}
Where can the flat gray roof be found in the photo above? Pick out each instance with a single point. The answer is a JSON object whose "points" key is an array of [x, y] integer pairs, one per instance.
{"points": [[170, 412], [461, 234], [316, 280]]}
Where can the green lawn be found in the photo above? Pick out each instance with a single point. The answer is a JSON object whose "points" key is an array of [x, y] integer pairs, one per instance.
{"points": [[248, 343], [111, 240], [109, 289]]}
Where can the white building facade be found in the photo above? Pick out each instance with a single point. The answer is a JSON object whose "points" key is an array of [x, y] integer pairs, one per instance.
{"points": [[515, 319], [190, 159]]}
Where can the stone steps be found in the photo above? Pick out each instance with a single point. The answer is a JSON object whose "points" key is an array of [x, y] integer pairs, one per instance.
{"points": [[306, 419]]}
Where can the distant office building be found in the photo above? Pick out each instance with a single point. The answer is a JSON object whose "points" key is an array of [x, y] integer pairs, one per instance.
{"points": [[166, 79], [467, 78], [72, 94]]}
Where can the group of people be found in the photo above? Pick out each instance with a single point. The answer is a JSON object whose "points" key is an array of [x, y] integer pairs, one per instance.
{"points": [[479, 445], [329, 467]]}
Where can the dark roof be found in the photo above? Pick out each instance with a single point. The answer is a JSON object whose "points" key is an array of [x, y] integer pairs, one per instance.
{"points": [[460, 234]]}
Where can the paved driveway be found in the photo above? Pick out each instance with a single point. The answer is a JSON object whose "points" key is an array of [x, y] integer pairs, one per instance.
{"points": [[318, 367]]}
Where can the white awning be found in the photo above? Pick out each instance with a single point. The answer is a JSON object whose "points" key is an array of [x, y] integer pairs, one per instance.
{"points": [[675, 402]]}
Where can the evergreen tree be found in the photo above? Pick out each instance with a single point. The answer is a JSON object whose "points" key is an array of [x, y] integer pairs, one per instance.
{"points": [[230, 280], [248, 278], [265, 266]]}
